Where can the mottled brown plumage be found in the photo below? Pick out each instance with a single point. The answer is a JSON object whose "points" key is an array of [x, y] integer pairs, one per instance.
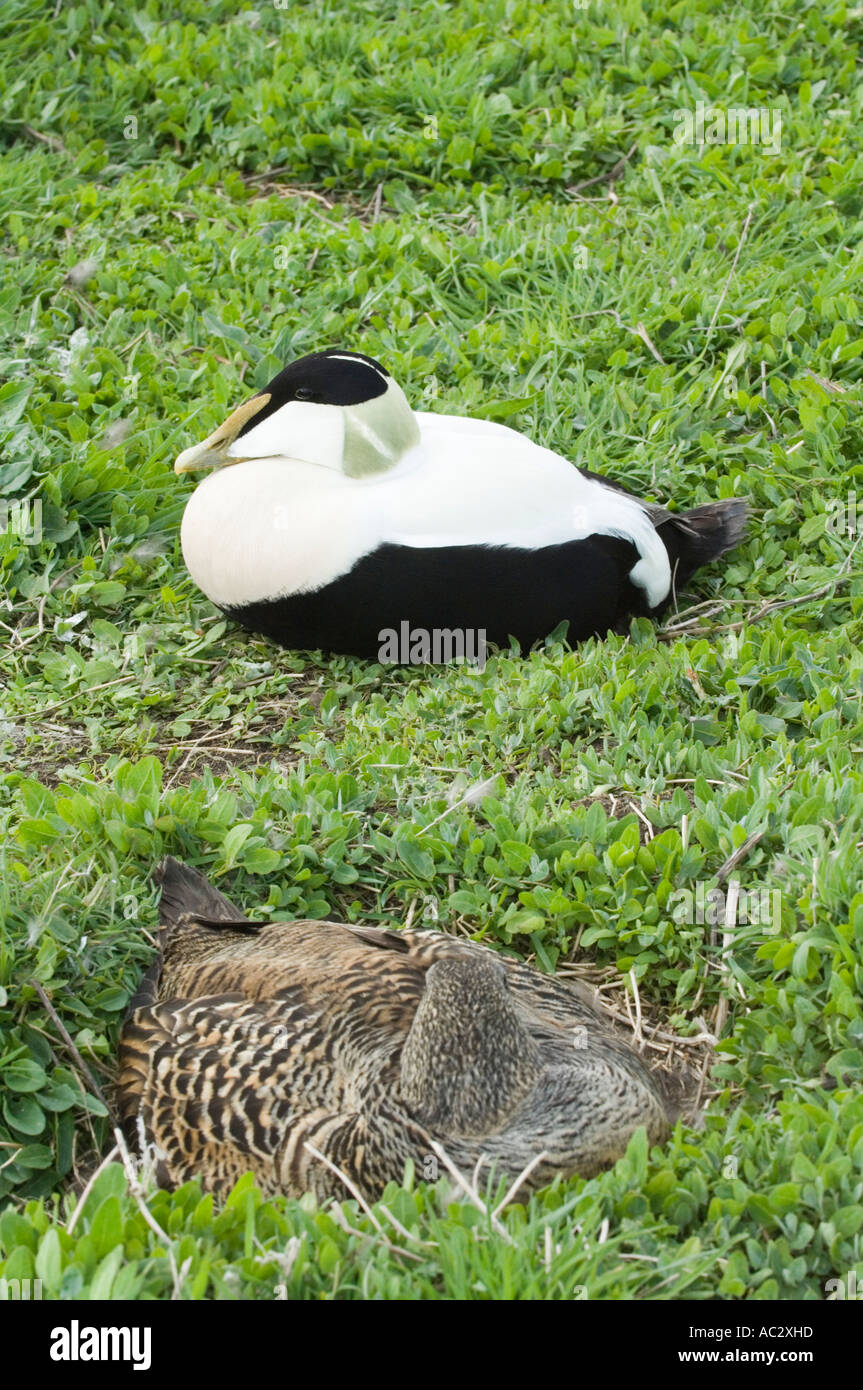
{"points": [[248, 1042]]}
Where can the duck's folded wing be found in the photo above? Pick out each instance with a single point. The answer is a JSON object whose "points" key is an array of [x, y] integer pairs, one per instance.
{"points": [[494, 487], [384, 938]]}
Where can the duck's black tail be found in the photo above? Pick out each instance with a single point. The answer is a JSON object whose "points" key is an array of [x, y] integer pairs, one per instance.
{"points": [[691, 538], [694, 538]]}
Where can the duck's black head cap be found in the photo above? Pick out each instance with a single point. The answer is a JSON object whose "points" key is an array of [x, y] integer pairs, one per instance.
{"points": [[332, 377]]}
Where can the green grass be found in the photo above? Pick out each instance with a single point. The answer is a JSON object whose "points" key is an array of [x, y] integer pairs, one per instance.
{"points": [[250, 187]]}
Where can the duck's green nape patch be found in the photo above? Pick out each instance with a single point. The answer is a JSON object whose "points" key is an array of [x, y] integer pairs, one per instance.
{"points": [[378, 434], [434, 214]]}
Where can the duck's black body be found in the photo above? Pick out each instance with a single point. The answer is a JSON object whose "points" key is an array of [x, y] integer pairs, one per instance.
{"points": [[501, 593]]}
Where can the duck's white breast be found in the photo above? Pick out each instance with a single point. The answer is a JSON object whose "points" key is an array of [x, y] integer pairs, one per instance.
{"points": [[268, 527]]}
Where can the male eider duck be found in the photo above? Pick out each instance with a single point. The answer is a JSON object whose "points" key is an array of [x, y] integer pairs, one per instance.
{"points": [[313, 1052], [336, 513]]}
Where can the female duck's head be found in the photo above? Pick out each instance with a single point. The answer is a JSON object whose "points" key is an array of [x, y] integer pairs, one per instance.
{"points": [[337, 409]]}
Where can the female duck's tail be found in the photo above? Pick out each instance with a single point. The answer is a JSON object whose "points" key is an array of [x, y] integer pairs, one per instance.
{"points": [[187, 894]]}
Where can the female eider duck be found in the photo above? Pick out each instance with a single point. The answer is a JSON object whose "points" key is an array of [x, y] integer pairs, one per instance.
{"points": [[311, 1052], [351, 515]]}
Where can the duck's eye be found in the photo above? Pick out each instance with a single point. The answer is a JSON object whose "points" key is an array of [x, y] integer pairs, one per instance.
{"points": [[304, 393]]}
